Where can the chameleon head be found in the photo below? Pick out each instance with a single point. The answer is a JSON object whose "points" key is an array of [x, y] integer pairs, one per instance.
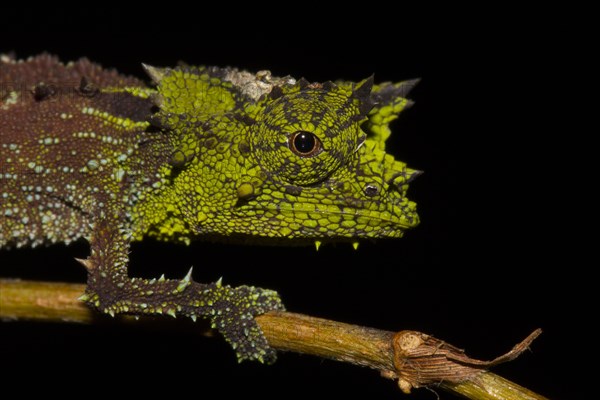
{"points": [[279, 158], [323, 174]]}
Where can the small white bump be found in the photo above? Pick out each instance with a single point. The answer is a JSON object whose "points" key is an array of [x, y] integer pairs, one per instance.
{"points": [[92, 164]]}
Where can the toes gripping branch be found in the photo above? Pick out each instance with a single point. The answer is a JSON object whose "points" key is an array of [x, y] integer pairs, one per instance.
{"points": [[230, 310]]}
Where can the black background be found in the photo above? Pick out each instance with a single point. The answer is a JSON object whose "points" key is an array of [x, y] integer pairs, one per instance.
{"points": [[491, 261]]}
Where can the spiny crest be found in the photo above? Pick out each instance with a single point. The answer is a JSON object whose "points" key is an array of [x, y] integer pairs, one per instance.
{"points": [[209, 91], [377, 105], [359, 94], [362, 93], [201, 89], [324, 117], [389, 101]]}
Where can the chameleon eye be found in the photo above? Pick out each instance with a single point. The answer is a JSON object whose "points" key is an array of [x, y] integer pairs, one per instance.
{"points": [[305, 144], [303, 137]]}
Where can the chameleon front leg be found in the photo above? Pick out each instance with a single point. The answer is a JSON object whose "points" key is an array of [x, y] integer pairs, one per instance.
{"points": [[230, 310]]}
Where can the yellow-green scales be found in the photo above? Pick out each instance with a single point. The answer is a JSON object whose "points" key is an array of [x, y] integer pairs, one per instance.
{"points": [[213, 153]]}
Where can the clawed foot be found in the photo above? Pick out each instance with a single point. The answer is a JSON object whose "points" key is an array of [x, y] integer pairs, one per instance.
{"points": [[233, 315], [232, 311]]}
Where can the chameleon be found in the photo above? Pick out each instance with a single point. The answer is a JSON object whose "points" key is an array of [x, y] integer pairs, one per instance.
{"points": [[218, 154]]}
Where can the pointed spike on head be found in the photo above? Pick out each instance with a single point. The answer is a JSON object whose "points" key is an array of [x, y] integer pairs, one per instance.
{"points": [[171, 312], [406, 176], [355, 245], [362, 90], [193, 317], [303, 83], [219, 282], [362, 93], [162, 278], [156, 74], [405, 87], [317, 244], [412, 174], [84, 297], [329, 85], [395, 95]]}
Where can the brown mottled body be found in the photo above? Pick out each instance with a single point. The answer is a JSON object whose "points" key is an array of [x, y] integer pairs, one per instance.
{"points": [[77, 154], [70, 143]]}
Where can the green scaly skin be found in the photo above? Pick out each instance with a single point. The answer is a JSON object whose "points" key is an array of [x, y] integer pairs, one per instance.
{"points": [[212, 153]]}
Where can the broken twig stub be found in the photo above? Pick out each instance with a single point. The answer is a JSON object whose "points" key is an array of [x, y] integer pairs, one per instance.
{"points": [[422, 360]]}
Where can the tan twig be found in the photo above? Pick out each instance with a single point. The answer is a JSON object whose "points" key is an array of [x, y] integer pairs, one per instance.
{"points": [[413, 359]]}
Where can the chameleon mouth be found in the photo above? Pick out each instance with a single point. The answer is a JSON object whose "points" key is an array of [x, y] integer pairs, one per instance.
{"points": [[321, 220]]}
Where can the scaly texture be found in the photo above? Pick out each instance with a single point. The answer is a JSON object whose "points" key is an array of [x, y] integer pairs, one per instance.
{"points": [[210, 152]]}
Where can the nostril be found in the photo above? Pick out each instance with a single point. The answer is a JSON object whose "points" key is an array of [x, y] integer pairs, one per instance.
{"points": [[371, 190]]}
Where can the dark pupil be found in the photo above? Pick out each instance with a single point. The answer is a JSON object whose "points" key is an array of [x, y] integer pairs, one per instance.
{"points": [[304, 142]]}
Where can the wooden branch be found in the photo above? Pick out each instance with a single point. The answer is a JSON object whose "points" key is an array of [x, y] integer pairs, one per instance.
{"points": [[412, 358]]}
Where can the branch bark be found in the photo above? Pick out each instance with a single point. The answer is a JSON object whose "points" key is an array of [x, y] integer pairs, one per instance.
{"points": [[412, 358]]}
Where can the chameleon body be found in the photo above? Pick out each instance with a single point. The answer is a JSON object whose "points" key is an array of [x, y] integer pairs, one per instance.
{"points": [[204, 152]]}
